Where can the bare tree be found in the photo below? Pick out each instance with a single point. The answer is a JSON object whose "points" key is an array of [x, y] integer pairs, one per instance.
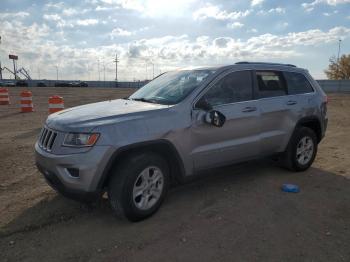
{"points": [[339, 69]]}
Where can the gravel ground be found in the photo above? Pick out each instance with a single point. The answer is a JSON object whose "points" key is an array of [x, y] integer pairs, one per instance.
{"points": [[232, 214]]}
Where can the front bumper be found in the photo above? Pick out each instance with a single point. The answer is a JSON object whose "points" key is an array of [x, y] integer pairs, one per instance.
{"points": [[91, 166]]}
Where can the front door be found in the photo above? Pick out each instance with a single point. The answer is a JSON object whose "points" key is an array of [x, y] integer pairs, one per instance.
{"points": [[238, 138]]}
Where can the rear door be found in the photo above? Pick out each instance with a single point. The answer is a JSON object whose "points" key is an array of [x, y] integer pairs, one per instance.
{"points": [[300, 101], [238, 138], [271, 91]]}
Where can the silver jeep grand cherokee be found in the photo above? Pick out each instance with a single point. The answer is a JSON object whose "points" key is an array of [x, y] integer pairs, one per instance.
{"points": [[177, 125]]}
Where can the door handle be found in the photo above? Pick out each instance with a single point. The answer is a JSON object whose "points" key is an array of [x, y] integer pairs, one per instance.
{"points": [[249, 109], [291, 102]]}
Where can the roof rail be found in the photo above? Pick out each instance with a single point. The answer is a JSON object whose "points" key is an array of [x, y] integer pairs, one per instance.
{"points": [[264, 63]]}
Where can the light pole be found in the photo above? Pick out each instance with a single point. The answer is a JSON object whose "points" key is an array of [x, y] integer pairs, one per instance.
{"points": [[104, 74], [152, 68], [87, 66], [338, 66], [56, 72], [98, 66]]}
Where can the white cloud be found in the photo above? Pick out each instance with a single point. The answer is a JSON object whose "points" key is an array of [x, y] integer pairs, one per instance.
{"points": [[214, 12], [71, 11], [252, 30], [335, 2], [277, 10], [105, 8], [87, 22], [312, 37], [182, 50], [50, 5], [52, 17], [59, 21], [256, 2], [128, 4], [120, 32], [152, 8], [235, 25], [35, 47], [17, 15], [311, 5]]}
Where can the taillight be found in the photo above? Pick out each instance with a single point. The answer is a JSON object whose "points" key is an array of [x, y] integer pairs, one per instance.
{"points": [[324, 106]]}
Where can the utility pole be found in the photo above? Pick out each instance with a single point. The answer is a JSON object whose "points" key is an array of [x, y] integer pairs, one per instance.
{"points": [[153, 70], [116, 61]]}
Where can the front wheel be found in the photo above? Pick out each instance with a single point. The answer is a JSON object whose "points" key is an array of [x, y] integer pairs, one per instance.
{"points": [[139, 186], [301, 150]]}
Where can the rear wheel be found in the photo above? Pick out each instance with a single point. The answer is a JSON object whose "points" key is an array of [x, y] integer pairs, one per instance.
{"points": [[139, 186], [301, 150]]}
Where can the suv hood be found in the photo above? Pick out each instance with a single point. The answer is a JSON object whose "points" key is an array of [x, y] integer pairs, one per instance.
{"points": [[86, 117]]}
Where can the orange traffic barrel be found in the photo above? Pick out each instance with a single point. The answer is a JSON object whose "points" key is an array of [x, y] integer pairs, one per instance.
{"points": [[56, 104], [4, 96], [26, 102]]}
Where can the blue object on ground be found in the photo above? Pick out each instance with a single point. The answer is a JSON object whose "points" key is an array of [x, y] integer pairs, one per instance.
{"points": [[290, 188]]}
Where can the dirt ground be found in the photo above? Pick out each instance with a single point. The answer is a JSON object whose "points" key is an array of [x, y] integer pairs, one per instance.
{"points": [[233, 214]]}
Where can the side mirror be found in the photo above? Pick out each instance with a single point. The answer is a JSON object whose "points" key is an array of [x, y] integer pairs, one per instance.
{"points": [[215, 118], [204, 105]]}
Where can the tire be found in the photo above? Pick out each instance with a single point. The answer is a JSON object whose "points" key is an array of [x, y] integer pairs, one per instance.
{"points": [[138, 186], [301, 150]]}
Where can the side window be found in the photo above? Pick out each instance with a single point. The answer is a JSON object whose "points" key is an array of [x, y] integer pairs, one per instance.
{"points": [[297, 83], [235, 87], [270, 83]]}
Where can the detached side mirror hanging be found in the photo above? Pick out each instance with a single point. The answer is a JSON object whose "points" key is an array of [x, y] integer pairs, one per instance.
{"points": [[215, 118]]}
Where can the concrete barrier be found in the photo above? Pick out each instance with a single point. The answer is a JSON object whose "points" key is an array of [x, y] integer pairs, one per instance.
{"points": [[99, 84], [328, 86]]}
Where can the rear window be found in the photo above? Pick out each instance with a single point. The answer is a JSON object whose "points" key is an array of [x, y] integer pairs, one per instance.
{"points": [[270, 83], [297, 83]]}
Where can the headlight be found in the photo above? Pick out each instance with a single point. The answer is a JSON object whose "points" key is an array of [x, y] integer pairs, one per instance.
{"points": [[80, 140]]}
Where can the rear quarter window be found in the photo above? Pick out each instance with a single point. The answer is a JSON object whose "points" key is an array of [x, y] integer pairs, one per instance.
{"points": [[297, 83]]}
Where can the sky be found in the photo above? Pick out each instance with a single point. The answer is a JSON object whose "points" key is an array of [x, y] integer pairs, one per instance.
{"points": [[79, 39]]}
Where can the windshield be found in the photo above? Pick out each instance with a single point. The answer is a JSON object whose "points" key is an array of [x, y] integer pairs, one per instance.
{"points": [[172, 87]]}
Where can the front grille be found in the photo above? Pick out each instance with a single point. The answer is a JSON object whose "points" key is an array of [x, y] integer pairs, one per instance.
{"points": [[47, 139]]}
